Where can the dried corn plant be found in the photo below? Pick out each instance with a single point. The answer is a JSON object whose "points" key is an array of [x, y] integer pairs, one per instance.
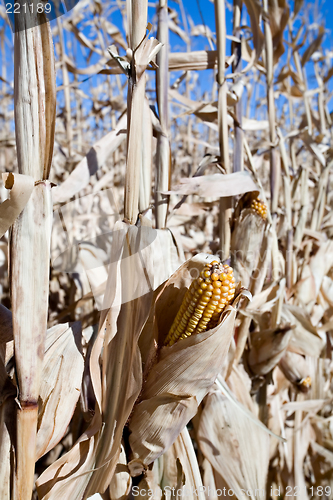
{"points": [[168, 330]]}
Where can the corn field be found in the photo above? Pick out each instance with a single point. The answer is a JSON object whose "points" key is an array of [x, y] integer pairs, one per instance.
{"points": [[166, 252]]}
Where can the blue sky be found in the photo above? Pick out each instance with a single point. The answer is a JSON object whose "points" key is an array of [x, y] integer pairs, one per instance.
{"points": [[319, 12]]}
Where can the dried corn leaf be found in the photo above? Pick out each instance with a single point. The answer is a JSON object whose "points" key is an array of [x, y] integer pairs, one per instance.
{"points": [[254, 10], [313, 274], [278, 12], [267, 348], [227, 439], [93, 460], [313, 46], [305, 338], [216, 185], [7, 433], [21, 187], [61, 383], [121, 483], [6, 325], [89, 165]]}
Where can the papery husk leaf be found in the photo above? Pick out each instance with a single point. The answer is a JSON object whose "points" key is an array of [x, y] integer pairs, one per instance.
{"points": [[178, 382], [227, 438], [246, 241], [295, 369], [305, 338], [61, 382], [267, 348]]}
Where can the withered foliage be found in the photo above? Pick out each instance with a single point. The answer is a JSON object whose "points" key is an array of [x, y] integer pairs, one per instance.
{"points": [[155, 161]]}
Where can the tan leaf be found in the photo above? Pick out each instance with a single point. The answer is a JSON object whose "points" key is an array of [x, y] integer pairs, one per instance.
{"points": [[227, 439], [61, 383]]}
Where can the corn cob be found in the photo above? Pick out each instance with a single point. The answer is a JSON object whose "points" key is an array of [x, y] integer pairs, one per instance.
{"points": [[203, 302], [260, 207], [305, 384]]}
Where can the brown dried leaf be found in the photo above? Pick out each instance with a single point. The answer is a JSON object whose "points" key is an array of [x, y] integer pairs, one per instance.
{"points": [[61, 383], [227, 439]]}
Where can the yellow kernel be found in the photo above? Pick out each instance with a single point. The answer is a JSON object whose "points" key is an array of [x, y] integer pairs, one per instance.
{"points": [[215, 276]]}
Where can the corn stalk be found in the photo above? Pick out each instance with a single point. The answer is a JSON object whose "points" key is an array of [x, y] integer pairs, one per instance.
{"points": [[274, 159], [225, 208], [135, 102], [35, 106], [237, 67], [163, 146]]}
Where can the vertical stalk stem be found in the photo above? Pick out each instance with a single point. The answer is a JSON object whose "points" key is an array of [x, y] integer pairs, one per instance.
{"points": [[163, 145], [135, 103], [35, 107], [225, 204]]}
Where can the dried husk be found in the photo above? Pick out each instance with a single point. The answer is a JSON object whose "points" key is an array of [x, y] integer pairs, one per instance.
{"points": [[296, 370], [267, 348], [246, 240], [305, 339], [227, 438], [178, 382]]}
